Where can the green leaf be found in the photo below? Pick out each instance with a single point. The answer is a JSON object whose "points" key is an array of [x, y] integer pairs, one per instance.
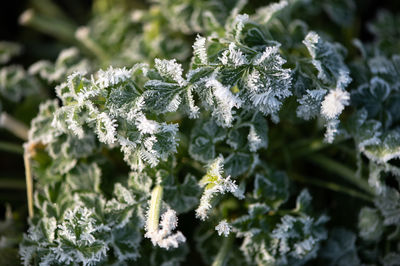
{"points": [[238, 163], [271, 188], [340, 248], [182, 197], [328, 60], [388, 149], [370, 224], [84, 177], [203, 138], [389, 205]]}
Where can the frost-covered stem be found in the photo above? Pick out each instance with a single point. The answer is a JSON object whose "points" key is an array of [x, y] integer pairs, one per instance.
{"points": [[222, 255], [14, 126], [333, 186], [29, 181], [154, 209], [82, 35], [11, 147], [57, 28], [342, 171]]}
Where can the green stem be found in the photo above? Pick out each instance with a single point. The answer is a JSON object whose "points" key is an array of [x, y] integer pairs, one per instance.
{"points": [[11, 147], [154, 210], [307, 147], [333, 186], [58, 28], [50, 9], [14, 126], [82, 35], [222, 255], [342, 171]]}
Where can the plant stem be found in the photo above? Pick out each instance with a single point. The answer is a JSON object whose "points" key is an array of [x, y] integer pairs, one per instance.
{"points": [[50, 9], [11, 147], [342, 171], [220, 259], [82, 35], [154, 210], [29, 182], [14, 126], [333, 186], [58, 28], [299, 149]]}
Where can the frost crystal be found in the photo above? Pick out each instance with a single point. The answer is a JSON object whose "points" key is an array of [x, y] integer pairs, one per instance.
{"points": [[240, 21], [215, 183], [171, 70], [106, 128], [163, 237], [233, 56], [334, 103], [226, 101], [223, 228], [199, 49], [331, 130], [112, 76]]}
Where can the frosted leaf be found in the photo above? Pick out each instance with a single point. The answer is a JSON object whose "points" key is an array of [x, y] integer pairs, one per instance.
{"points": [[372, 96], [84, 177], [298, 237], [68, 62], [271, 188], [112, 76], [15, 83], [162, 97], [170, 70], [303, 201], [200, 51], [365, 132], [203, 138], [214, 183], [233, 56], [41, 129], [91, 249], [269, 83], [123, 194], [182, 197], [226, 101], [391, 259], [265, 14], [334, 103], [147, 126], [331, 130], [328, 61], [223, 228], [125, 242], [310, 104], [388, 149], [190, 107], [106, 128], [238, 25], [340, 248], [237, 163], [163, 236], [341, 12], [370, 224], [389, 205]]}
